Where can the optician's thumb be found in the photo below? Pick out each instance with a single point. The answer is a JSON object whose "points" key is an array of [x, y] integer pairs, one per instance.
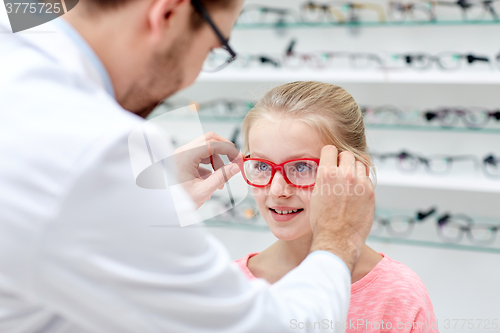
{"points": [[217, 179]]}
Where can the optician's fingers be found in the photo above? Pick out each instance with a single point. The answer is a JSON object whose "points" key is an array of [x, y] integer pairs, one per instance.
{"points": [[213, 148], [224, 148], [218, 178], [347, 164], [216, 162], [204, 173], [215, 159], [329, 157]]}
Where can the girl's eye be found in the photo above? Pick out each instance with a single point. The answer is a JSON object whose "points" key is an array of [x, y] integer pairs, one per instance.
{"points": [[302, 167], [263, 166]]}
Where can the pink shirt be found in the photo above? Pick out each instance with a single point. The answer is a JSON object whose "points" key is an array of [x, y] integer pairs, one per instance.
{"points": [[390, 298]]}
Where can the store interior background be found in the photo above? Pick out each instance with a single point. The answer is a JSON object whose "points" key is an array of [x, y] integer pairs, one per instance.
{"points": [[462, 278]]}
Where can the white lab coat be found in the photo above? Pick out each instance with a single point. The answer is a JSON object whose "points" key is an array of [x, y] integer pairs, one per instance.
{"points": [[77, 253]]}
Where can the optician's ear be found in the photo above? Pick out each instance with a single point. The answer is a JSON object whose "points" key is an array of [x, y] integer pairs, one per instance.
{"points": [[161, 13]]}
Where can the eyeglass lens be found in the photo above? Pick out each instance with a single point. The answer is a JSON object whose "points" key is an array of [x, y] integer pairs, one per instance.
{"points": [[217, 59]]}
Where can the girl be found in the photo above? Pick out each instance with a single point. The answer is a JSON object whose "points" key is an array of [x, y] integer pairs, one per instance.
{"points": [[283, 137]]}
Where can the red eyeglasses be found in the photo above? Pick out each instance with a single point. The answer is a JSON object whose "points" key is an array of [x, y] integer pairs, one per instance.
{"points": [[298, 173]]}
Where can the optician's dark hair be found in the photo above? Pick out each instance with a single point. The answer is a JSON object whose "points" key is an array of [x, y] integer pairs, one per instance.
{"points": [[196, 19]]}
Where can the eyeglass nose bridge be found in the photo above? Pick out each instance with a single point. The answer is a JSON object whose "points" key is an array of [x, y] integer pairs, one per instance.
{"points": [[281, 169]]}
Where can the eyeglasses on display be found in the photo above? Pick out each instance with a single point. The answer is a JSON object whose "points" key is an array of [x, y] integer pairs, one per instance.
{"points": [[452, 227], [444, 60], [399, 225], [336, 12], [435, 164], [255, 14], [441, 164], [446, 117], [313, 12], [389, 114], [414, 11], [474, 118], [293, 59], [324, 59], [491, 166], [471, 10], [360, 12]]}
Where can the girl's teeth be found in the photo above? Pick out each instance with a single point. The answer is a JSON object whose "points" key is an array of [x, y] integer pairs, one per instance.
{"points": [[286, 212]]}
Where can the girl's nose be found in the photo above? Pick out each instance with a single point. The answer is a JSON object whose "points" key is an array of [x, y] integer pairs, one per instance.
{"points": [[279, 187]]}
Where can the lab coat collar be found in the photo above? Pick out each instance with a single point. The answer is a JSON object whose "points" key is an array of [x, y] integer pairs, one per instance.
{"points": [[88, 51]]}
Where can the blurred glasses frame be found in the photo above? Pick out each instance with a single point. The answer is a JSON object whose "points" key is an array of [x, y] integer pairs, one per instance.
{"points": [[409, 221], [491, 166], [275, 167], [282, 15], [323, 12], [409, 10], [325, 59], [224, 42], [352, 8], [422, 61], [415, 160], [448, 117], [249, 60], [388, 114], [466, 5], [462, 224]]}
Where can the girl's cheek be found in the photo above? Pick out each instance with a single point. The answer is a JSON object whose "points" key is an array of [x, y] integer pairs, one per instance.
{"points": [[259, 194], [260, 198], [305, 196]]}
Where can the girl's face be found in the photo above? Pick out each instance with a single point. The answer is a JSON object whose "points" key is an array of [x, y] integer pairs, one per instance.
{"points": [[280, 141]]}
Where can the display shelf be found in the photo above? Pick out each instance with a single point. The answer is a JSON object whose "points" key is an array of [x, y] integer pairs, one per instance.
{"points": [[471, 183], [424, 128], [373, 24], [352, 76], [379, 239], [439, 245], [432, 128]]}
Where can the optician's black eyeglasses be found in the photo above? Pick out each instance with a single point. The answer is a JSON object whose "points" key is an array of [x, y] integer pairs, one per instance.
{"points": [[218, 58]]}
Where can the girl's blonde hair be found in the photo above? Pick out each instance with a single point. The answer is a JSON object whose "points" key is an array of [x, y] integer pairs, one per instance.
{"points": [[327, 108]]}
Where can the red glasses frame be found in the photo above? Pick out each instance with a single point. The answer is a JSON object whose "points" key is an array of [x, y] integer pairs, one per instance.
{"points": [[275, 167]]}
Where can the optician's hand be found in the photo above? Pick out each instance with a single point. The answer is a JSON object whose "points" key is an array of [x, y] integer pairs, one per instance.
{"points": [[201, 183], [342, 205]]}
